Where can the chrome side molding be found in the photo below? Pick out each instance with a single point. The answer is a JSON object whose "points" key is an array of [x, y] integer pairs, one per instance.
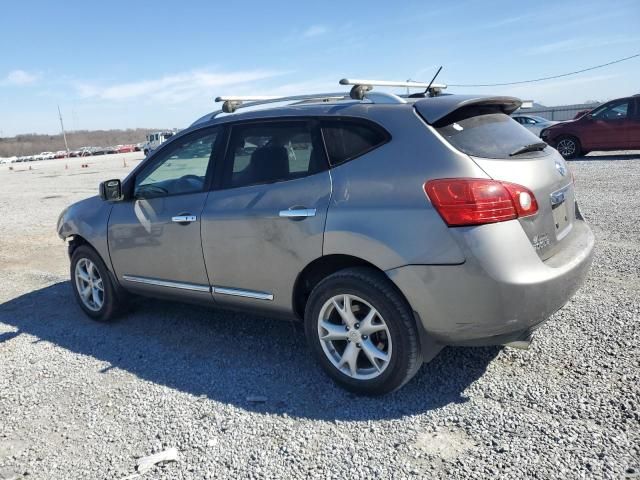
{"points": [[167, 283], [236, 292]]}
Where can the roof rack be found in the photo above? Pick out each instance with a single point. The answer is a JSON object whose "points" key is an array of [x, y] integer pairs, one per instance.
{"points": [[233, 102], [362, 86], [361, 90]]}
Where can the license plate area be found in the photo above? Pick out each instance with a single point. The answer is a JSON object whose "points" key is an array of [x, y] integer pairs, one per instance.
{"points": [[561, 215]]}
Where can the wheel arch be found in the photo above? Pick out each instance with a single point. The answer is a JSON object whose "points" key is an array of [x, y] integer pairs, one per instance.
{"points": [[75, 240], [318, 269]]}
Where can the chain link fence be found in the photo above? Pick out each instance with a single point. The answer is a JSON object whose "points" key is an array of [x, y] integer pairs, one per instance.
{"points": [[564, 112]]}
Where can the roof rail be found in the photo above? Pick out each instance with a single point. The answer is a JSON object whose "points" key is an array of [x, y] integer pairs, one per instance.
{"points": [[360, 91], [233, 102], [362, 86]]}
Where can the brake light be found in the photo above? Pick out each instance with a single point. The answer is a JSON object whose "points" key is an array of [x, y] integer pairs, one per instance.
{"points": [[476, 201]]}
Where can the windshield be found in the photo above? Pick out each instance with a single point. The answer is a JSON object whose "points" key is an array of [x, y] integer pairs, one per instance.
{"points": [[489, 135]]}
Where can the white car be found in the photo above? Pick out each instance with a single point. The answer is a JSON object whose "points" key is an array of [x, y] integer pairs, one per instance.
{"points": [[533, 123]]}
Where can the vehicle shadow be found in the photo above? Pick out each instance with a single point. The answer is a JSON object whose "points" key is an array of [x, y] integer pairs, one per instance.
{"points": [[229, 357]]}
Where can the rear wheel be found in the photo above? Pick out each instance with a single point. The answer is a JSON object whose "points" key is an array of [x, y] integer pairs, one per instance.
{"points": [[362, 332], [568, 147], [93, 288]]}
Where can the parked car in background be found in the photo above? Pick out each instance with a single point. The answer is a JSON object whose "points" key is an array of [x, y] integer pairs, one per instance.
{"points": [[125, 148], [98, 151], [614, 125], [61, 154], [533, 123], [389, 229]]}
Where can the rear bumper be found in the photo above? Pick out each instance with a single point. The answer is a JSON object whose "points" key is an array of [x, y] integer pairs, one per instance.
{"points": [[502, 291]]}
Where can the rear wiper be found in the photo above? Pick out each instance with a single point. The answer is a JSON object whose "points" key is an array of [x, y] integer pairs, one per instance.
{"points": [[532, 147]]}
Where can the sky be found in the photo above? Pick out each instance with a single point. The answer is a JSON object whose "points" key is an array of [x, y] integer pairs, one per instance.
{"points": [[127, 64]]}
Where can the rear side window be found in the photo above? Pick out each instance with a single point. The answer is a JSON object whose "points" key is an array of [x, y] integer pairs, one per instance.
{"points": [[488, 135], [272, 152], [347, 139]]}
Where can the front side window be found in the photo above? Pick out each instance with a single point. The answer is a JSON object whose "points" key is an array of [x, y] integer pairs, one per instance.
{"points": [[612, 111], [272, 152], [347, 139], [180, 168]]}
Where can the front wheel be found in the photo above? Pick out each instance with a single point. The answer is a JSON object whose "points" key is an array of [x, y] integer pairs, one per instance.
{"points": [[568, 147], [362, 331], [93, 288]]}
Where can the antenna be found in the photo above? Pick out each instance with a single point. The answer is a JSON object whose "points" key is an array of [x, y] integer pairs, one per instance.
{"points": [[431, 82], [64, 135]]}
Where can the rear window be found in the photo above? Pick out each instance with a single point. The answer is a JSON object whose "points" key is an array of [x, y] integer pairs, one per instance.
{"points": [[346, 140], [489, 135]]}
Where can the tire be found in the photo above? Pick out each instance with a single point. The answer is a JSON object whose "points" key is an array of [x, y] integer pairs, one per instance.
{"points": [[112, 296], [396, 355], [569, 147]]}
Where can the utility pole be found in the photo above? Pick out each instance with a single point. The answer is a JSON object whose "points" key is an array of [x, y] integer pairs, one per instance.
{"points": [[64, 135]]}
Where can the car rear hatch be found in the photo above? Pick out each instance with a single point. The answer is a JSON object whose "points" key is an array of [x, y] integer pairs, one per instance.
{"points": [[507, 152]]}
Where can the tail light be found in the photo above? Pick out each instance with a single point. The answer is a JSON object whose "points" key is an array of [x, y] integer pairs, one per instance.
{"points": [[476, 201]]}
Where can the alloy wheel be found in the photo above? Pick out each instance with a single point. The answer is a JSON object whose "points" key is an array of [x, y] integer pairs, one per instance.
{"points": [[354, 337], [566, 147], [89, 284]]}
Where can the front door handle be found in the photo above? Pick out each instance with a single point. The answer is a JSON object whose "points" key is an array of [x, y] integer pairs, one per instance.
{"points": [[298, 213], [184, 219]]}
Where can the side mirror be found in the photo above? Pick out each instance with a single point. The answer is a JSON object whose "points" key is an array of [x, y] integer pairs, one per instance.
{"points": [[111, 190]]}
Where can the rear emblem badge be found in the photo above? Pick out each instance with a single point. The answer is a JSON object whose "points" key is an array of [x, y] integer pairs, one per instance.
{"points": [[540, 241], [561, 168]]}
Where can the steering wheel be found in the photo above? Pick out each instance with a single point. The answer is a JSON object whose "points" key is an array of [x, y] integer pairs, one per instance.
{"points": [[189, 181], [143, 191]]}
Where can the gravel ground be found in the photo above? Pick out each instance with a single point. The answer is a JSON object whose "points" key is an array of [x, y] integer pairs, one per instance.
{"points": [[81, 400]]}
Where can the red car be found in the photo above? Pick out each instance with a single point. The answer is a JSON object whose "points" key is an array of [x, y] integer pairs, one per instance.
{"points": [[125, 148], [614, 125]]}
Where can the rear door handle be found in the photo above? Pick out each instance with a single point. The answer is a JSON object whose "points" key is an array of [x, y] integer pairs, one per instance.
{"points": [[299, 213], [184, 219]]}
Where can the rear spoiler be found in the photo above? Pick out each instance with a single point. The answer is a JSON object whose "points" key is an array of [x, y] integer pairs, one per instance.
{"points": [[438, 108]]}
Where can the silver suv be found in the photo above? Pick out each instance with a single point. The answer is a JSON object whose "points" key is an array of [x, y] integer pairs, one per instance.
{"points": [[391, 226]]}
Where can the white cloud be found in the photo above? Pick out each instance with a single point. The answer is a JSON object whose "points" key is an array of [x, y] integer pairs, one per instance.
{"points": [[578, 44], [19, 78], [174, 88], [508, 21], [314, 31]]}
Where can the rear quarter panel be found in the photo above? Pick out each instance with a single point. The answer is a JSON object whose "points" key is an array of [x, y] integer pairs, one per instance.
{"points": [[378, 209]]}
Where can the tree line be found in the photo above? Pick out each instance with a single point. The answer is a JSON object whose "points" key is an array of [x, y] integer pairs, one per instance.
{"points": [[33, 143]]}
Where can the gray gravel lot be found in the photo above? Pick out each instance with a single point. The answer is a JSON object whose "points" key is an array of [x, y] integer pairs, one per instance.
{"points": [[81, 400]]}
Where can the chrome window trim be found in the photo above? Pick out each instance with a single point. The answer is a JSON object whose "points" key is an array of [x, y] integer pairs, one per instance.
{"points": [[166, 283], [237, 292]]}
